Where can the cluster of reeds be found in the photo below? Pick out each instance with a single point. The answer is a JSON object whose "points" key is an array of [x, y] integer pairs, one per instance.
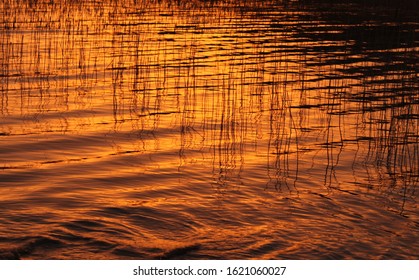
{"points": [[267, 83]]}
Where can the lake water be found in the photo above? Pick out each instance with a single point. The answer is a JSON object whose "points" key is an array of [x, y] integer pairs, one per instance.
{"points": [[208, 130]]}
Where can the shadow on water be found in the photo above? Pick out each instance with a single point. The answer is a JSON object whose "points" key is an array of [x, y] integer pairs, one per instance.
{"points": [[208, 130]]}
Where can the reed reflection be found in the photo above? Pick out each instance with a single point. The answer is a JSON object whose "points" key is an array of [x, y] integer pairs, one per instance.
{"points": [[198, 120]]}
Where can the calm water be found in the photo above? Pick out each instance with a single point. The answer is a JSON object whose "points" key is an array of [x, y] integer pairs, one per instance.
{"points": [[208, 130]]}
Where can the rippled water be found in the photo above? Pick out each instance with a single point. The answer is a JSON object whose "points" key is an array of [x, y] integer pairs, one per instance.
{"points": [[208, 130]]}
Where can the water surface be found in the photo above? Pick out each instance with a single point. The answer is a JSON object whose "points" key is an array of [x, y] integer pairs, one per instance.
{"points": [[208, 130]]}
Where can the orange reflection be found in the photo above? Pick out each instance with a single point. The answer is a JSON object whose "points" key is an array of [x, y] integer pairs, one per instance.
{"points": [[228, 130]]}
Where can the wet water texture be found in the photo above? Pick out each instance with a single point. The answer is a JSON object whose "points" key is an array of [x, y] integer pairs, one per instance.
{"points": [[208, 130]]}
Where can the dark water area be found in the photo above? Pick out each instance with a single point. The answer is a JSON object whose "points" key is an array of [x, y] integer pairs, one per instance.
{"points": [[209, 129]]}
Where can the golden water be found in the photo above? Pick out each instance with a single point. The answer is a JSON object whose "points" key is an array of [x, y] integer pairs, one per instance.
{"points": [[201, 130]]}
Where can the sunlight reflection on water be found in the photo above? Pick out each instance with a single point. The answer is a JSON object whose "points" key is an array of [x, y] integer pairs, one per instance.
{"points": [[232, 131]]}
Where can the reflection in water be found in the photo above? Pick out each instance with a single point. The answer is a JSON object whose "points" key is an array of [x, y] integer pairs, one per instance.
{"points": [[207, 129]]}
